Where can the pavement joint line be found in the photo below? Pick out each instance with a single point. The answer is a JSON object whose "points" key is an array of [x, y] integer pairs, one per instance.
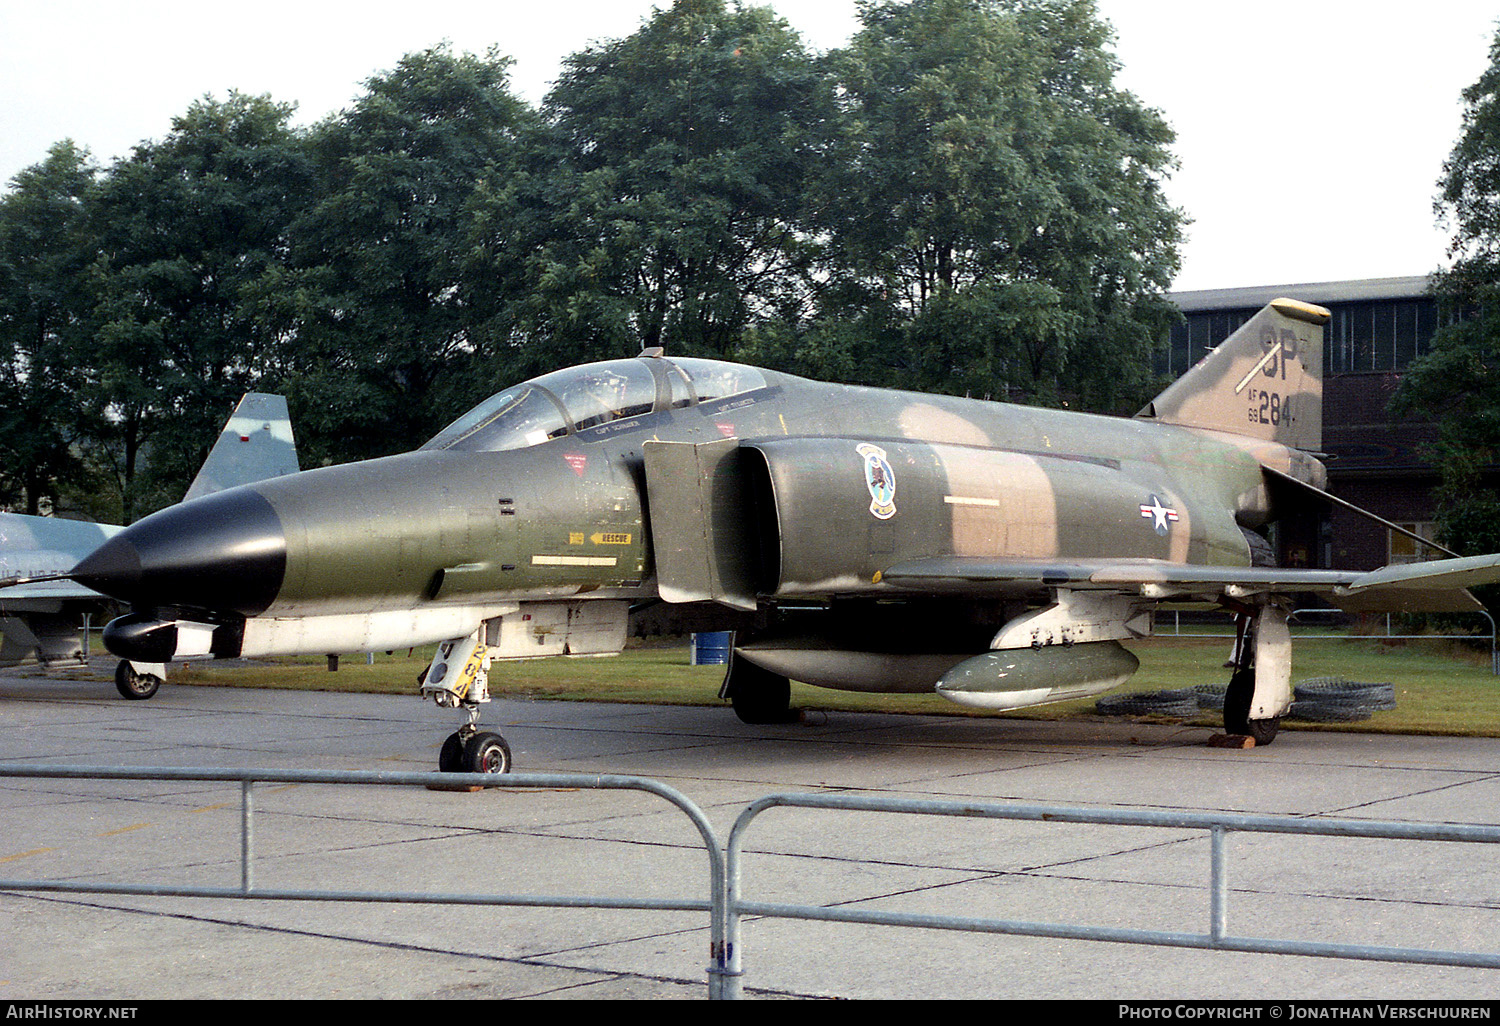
{"points": [[543, 959]]}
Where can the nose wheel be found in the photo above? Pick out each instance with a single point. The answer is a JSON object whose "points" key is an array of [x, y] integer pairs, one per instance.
{"points": [[135, 685], [474, 751]]}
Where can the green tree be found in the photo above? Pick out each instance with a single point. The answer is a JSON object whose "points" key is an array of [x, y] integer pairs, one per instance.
{"points": [[660, 204], [186, 227], [372, 311], [45, 248], [1457, 382], [989, 183]]}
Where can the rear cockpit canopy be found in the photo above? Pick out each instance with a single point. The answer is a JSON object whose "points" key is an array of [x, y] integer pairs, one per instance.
{"points": [[580, 398]]}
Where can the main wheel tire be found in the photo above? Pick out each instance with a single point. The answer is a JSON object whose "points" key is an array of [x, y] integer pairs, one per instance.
{"points": [[132, 685], [758, 695], [486, 752], [1237, 702], [1263, 732]]}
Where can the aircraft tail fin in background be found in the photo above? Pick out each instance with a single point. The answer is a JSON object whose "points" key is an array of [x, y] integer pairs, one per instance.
{"points": [[1264, 381], [255, 445], [39, 601]]}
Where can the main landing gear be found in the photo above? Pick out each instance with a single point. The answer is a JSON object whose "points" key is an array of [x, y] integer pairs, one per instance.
{"points": [[757, 695], [1260, 688], [459, 677], [1237, 710]]}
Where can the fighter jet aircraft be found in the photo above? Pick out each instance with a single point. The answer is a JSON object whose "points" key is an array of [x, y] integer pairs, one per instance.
{"points": [[853, 537], [41, 614]]}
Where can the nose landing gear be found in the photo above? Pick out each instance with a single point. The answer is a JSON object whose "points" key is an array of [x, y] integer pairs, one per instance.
{"points": [[459, 677], [136, 684]]}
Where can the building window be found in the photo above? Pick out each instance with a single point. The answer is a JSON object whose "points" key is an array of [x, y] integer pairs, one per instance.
{"points": [[1378, 336], [1408, 341], [1383, 335], [1405, 550], [1364, 335]]}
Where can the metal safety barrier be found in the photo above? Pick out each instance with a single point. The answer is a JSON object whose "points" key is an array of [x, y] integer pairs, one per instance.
{"points": [[247, 778], [1218, 826], [725, 904], [1389, 635]]}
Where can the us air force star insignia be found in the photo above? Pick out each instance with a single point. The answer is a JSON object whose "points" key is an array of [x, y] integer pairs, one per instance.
{"points": [[880, 479], [1158, 514]]}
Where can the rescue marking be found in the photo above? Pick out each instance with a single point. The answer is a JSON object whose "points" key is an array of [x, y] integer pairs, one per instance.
{"points": [[1158, 514], [574, 560], [610, 538], [970, 500], [880, 479]]}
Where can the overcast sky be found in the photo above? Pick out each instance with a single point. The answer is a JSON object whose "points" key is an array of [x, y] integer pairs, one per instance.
{"points": [[1310, 134]]}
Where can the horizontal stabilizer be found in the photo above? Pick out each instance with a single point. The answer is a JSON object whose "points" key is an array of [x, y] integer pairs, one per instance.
{"points": [[36, 554], [1288, 481], [1433, 575]]}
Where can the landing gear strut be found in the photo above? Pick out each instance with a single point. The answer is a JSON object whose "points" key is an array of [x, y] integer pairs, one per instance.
{"points": [[1239, 700]]}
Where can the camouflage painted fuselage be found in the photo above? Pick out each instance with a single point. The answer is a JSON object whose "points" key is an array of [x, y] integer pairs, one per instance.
{"points": [[855, 480], [852, 537]]}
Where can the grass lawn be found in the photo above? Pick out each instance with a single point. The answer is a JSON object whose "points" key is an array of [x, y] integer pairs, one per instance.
{"points": [[1441, 687]]}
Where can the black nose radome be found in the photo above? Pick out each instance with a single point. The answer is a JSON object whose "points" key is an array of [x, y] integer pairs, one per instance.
{"points": [[225, 553]]}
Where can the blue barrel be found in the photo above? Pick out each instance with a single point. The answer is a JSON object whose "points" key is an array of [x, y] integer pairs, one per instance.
{"points": [[711, 648]]}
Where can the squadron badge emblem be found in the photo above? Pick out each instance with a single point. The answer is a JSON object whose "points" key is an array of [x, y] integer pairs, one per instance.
{"points": [[880, 479]]}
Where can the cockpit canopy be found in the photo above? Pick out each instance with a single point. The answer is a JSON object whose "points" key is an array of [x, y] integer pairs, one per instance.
{"points": [[579, 398]]}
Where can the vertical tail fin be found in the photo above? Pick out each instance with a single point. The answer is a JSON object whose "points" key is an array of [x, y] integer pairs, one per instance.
{"points": [[1264, 381], [255, 445]]}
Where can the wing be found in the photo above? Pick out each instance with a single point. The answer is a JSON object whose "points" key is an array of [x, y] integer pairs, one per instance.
{"points": [[1437, 586], [37, 552]]}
